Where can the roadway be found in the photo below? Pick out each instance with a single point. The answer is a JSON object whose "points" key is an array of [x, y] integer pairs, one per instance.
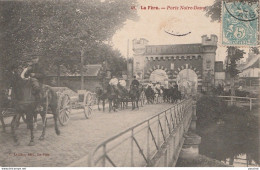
{"points": [[77, 138]]}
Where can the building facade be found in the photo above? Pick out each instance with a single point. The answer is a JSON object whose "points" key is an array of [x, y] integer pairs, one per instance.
{"points": [[249, 76], [73, 81], [190, 64]]}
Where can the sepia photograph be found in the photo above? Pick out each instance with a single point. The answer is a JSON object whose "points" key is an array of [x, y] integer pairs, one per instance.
{"points": [[129, 83]]}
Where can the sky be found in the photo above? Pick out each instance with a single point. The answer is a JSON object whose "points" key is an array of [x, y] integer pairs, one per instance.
{"points": [[152, 25]]}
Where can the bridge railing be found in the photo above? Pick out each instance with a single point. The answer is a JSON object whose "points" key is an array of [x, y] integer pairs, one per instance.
{"points": [[141, 144], [234, 100]]}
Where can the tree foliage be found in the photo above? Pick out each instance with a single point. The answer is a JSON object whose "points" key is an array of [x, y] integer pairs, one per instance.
{"points": [[59, 31], [234, 55], [255, 50], [214, 11]]}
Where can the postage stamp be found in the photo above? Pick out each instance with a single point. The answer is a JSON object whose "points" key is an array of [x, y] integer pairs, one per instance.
{"points": [[240, 23]]}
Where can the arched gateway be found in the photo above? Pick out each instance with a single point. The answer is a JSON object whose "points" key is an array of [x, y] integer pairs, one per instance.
{"points": [[172, 59]]}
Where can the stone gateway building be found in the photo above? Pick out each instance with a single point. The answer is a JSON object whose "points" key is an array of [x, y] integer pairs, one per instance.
{"points": [[191, 66]]}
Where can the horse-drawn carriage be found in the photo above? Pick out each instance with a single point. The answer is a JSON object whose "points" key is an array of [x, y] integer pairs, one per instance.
{"points": [[21, 101], [9, 110]]}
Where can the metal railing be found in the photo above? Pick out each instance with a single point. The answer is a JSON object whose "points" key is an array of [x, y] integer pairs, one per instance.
{"points": [[234, 100], [141, 144]]}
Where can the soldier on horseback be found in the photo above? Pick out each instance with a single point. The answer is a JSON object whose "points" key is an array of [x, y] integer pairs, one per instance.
{"points": [[135, 82], [36, 73]]}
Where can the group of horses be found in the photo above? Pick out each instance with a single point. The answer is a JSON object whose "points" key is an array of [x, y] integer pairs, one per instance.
{"points": [[118, 96]]}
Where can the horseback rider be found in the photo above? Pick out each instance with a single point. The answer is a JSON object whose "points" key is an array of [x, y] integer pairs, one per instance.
{"points": [[135, 82], [36, 73]]}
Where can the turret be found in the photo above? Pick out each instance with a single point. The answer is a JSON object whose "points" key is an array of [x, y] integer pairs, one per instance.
{"points": [[209, 46], [139, 45], [212, 41]]}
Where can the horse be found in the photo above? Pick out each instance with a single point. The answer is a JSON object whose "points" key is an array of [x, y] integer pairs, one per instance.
{"points": [[134, 94], [176, 95], [142, 95], [123, 96], [166, 94], [158, 93], [149, 93], [101, 96], [112, 96], [25, 103]]}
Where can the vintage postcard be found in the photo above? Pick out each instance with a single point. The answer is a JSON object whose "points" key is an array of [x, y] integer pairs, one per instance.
{"points": [[129, 83]]}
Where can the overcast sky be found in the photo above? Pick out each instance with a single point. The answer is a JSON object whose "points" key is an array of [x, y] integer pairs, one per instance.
{"points": [[153, 23]]}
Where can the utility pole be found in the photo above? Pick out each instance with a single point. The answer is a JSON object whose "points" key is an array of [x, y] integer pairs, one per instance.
{"points": [[128, 64], [82, 69]]}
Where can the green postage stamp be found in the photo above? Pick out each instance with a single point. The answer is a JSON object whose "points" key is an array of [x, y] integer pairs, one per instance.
{"points": [[240, 23]]}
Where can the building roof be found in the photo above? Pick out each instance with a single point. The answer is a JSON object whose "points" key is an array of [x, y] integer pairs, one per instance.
{"points": [[173, 49], [89, 71], [252, 63]]}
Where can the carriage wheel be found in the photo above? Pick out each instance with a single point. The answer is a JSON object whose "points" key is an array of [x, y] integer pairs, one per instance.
{"points": [[87, 111], [64, 110], [88, 105]]}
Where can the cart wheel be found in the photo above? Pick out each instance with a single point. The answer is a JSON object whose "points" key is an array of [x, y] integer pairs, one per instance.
{"points": [[87, 111], [64, 110], [88, 106]]}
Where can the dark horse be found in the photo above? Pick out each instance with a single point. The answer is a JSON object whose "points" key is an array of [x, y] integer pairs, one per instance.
{"points": [[101, 96], [25, 103], [112, 96], [123, 96], [149, 93], [134, 94]]}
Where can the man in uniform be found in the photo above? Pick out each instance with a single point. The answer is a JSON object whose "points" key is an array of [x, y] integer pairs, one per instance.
{"points": [[36, 73], [135, 82]]}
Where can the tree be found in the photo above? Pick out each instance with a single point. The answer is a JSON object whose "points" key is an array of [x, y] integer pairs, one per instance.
{"points": [[62, 32], [234, 55], [255, 50], [111, 60]]}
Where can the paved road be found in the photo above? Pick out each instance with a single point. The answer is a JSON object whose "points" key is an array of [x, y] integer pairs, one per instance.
{"points": [[77, 139]]}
